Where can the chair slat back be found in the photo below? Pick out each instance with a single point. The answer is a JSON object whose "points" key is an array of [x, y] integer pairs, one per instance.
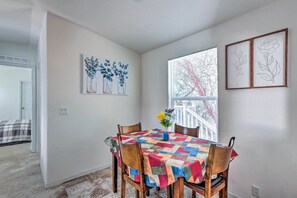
{"points": [[129, 129], [131, 154], [194, 132], [219, 158]]}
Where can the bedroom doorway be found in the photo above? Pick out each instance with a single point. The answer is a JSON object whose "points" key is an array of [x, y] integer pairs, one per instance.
{"points": [[16, 99]]}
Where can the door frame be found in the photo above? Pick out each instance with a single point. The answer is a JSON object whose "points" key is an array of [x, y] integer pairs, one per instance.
{"points": [[35, 141], [34, 133]]}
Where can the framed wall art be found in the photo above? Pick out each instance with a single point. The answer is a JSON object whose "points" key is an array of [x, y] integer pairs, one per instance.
{"points": [[238, 65], [259, 62], [103, 76], [270, 53]]}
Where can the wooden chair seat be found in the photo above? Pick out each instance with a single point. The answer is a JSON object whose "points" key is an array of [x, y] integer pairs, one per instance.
{"points": [[216, 184]]}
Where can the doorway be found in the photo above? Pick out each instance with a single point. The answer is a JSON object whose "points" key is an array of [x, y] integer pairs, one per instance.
{"points": [[16, 99]]}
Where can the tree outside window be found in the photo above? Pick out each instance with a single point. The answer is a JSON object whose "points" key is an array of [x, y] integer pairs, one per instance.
{"points": [[193, 91]]}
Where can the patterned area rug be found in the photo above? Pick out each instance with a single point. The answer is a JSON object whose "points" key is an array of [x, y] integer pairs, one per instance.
{"points": [[99, 184], [130, 192], [81, 190]]}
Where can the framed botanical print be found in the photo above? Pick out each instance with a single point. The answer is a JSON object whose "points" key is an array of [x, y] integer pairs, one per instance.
{"points": [[103, 76], [270, 56], [238, 63]]}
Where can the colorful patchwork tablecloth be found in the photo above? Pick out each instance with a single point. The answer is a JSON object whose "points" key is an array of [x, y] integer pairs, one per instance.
{"points": [[165, 161]]}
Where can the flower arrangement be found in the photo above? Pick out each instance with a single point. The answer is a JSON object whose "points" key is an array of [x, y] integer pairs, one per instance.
{"points": [[165, 117]]}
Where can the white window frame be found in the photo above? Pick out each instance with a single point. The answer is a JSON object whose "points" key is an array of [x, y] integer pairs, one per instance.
{"points": [[171, 99]]}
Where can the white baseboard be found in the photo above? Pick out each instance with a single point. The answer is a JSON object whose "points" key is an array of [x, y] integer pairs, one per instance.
{"points": [[232, 195], [63, 180]]}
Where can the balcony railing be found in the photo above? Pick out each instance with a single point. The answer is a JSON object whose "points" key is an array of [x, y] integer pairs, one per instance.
{"points": [[186, 116]]}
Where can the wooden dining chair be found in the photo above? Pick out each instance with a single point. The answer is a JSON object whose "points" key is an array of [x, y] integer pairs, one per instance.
{"points": [[194, 132], [131, 156], [124, 130], [217, 163], [129, 129]]}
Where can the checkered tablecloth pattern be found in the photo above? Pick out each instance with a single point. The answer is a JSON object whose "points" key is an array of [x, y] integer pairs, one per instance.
{"points": [[165, 161]]}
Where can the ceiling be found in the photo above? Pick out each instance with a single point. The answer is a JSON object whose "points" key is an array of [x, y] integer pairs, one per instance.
{"points": [[20, 22], [15, 21], [140, 25]]}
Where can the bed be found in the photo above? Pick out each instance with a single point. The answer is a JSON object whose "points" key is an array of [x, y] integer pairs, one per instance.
{"points": [[12, 131]]}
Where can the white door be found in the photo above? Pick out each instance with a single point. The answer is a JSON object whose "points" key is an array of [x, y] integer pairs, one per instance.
{"points": [[26, 100]]}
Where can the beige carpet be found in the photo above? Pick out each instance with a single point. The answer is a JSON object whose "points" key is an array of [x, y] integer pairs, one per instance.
{"points": [[20, 177]]}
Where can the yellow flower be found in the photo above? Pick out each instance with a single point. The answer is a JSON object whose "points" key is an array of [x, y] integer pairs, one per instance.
{"points": [[161, 115]]}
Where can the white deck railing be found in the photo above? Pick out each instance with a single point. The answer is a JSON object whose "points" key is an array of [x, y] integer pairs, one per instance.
{"points": [[187, 117]]}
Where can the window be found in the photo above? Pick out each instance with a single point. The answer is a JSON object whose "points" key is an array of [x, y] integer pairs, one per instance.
{"points": [[193, 91]]}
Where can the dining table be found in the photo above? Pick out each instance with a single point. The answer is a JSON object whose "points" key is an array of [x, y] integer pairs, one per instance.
{"points": [[181, 158]]}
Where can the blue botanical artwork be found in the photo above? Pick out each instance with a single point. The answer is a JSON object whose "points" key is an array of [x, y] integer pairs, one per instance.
{"points": [[91, 67], [106, 71], [104, 76], [120, 71]]}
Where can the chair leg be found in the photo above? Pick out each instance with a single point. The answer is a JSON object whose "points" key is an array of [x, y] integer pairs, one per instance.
{"points": [[193, 194], [136, 193], [225, 189], [178, 188], [148, 193], [169, 195], [143, 194], [223, 193], [207, 195], [114, 173], [123, 189]]}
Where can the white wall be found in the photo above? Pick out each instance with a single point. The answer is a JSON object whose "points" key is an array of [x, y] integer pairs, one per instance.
{"points": [[10, 93], [263, 120], [75, 141], [19, 50], [42, 117]]}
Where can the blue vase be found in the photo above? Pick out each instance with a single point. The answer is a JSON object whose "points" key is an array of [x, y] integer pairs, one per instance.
{"points": [[165, 136]]}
